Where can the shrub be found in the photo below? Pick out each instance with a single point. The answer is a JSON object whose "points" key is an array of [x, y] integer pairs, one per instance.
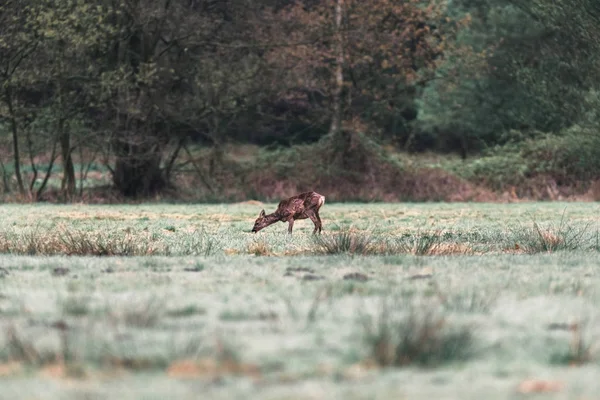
{"points": [[569, 158]]}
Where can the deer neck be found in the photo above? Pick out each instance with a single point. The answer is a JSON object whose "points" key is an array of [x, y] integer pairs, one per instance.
{"points": [[272, 218]]}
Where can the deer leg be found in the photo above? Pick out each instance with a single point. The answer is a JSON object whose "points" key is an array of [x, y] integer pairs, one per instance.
{"points": [[319, 220], [291, 225], [313, 217]]}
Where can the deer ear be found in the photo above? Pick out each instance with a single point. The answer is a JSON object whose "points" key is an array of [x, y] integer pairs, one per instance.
{"points": [[262, 213]]}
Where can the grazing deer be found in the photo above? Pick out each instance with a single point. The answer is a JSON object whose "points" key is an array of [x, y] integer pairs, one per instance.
{"points": [[302, 206]]}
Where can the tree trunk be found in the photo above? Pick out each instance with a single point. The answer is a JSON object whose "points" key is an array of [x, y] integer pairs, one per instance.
{"points": [[336, 118], [34, 169], [49, 171], [15, 138], [5, 181], [137, 171], [464, 146], [67, 186]]}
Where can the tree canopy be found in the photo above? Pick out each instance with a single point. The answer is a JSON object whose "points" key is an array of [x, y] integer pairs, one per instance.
{"points": [[134, 83]]}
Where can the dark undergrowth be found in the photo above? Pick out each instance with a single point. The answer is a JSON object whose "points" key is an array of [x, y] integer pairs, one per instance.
{"points": [[355, 167]]}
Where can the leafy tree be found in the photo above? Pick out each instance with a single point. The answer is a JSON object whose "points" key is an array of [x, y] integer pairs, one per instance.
{"points": [[71, 34], [175, 69], [369, 65], [534, 67], [17, 43], [573, 30]]}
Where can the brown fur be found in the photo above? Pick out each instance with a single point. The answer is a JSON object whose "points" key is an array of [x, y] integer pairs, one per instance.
{"points": [[305, 205]]}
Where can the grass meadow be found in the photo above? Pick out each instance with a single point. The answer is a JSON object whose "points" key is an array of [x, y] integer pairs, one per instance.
{"points": [[393, 301]]}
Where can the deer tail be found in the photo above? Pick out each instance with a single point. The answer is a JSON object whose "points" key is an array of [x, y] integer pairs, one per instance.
{"points": [[321, 201]]}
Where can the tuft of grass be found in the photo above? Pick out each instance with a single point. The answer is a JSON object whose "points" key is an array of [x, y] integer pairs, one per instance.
{"points": [[144, 314], [33, 245], [469, 300], [5, 243], [447, 249], [199, 243], [197, 267], [76, 305], [186, 311], [259, 248], [344, 241], [423, 338], [347, 241], [77, 242], [20, 349], [30, 243], [581, 349], [74, 242], [420, 244], [235, 315], [564, 237]]}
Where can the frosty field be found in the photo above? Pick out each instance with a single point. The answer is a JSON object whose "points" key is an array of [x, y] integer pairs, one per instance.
{"points": [[394, 301]]}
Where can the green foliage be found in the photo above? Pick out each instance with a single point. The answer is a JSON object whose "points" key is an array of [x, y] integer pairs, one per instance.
{"points": [[568, 157], [572, 154], [530, 69], [497, 169], [133, 85]]}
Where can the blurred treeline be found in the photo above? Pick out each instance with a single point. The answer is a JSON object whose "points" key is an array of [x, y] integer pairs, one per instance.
{"points": [[158, 95]]}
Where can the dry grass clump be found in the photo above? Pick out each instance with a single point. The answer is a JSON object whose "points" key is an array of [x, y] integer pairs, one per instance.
{"points": [[447, 249], [419, 244], [425, 244], [345, 241], [259, 248], [563, 237], [582, 348], [142, 314], [70, 241], [348, 241]]}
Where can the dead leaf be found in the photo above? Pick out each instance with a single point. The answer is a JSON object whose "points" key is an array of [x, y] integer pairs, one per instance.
{"points": [[185, 369], [55, 371], [539, 386], [10, 368], [210, 368]]}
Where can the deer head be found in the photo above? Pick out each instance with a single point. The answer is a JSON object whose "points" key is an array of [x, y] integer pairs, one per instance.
{"points": [[260, 222]]}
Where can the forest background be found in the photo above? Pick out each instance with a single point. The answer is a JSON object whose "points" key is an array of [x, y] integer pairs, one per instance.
{"points": [[231, 100]]}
